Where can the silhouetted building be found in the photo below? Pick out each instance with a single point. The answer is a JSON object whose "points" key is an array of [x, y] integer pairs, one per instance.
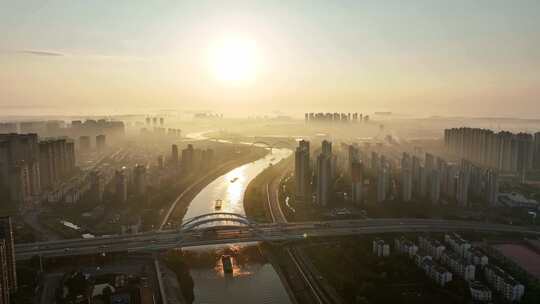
{"points": [[435, 187], [56, 161], [536, 156], [139, 179], [504, 151], [84, 144], [406, 178], [188, 161], [101, 143], [19, 166], [492, 187], [357, 182], [8, 127], [121, 185], [207, 158], [6, 234], [302, 172], [463, 187], [382, 183], [174, 155], [324, 174], [160, 163], [97, 186]]}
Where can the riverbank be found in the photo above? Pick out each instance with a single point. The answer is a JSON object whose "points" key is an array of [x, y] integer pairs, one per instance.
{"points": [[187, 195], [257, 205], [255, 197]]}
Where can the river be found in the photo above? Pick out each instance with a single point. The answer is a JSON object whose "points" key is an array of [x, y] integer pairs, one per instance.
{"points": [[254, 280]]}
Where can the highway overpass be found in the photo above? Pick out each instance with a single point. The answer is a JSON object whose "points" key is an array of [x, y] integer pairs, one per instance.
{"points": [[209, 230]]}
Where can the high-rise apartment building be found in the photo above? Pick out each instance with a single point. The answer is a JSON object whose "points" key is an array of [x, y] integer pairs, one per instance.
{"points": [[324, 174], [6, 234], [353, 155], [56, 161], [139, 179], [174, 155], [302, 172], [536, 156], [375, 161], [19, 166], [188, 158], [357, 182], [463, 187], [382, 185], [503, 151], [101, 142], [97, 186], [84, 144], [492, 187], [435, 187], [121, 185], [406, 177]]}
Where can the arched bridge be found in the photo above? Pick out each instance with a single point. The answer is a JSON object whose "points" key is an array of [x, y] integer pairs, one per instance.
{"points": [[222, 218], [274, 144]]}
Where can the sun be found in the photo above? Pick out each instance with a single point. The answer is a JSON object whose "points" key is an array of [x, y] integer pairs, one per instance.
{"points": [[235, 60]]}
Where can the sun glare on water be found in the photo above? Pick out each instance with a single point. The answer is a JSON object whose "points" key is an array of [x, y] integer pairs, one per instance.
{"points": [[235, 60]]}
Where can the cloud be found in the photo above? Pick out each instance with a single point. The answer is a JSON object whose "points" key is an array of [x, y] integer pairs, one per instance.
{"points": [[31, 52], [39, 53]]}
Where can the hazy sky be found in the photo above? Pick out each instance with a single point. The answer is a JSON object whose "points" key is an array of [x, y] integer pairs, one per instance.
{"points": [[459, 57]]}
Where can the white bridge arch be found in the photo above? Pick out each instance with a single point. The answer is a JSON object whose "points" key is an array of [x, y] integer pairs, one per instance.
{"points": [[216, 217]]}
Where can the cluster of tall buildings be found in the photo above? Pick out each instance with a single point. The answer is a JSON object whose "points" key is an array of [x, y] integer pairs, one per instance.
{"points": [[317, 177], [57, 161], [85, 143], [57, 128], [128, 182], [195, 159], [505, 151], [160, 131], [191, 159], [8, 272], [29, 166], [305, 178], [207, 116], [335, 117], [433, 177], [154, 120]]}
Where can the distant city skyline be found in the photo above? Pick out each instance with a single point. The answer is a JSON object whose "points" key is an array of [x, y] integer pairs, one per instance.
{"points": [[454, 58]]}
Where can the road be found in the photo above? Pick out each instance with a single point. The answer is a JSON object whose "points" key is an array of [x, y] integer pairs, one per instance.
{"points": [[318, 295], [161, 240]]}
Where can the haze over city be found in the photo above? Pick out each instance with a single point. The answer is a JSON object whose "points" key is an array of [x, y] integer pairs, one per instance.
{"points": [[449, 58], [318, 152]]}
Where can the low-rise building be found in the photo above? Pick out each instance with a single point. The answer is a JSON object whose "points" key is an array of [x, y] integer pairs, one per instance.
{"points": [[458, 265], [405, 246], [504, 283], [476, 257], [381, 248], [479, 292], [457, 243], [439, 274], [431, 246]]}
